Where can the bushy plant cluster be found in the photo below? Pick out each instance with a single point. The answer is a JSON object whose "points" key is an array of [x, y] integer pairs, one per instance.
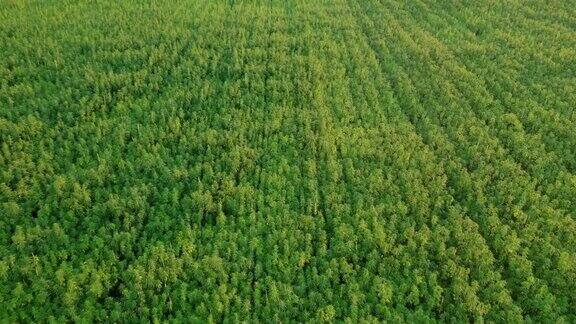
{"points": [[287, 161]]}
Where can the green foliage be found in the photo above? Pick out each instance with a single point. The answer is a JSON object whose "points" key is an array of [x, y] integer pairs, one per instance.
{"points": [[287, 161]]}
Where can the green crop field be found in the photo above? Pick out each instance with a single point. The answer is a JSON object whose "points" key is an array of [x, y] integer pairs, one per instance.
{"points": [[288, 161]]}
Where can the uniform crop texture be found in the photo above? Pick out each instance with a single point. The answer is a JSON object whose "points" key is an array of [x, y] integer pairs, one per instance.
{"points": [[288, 161]]}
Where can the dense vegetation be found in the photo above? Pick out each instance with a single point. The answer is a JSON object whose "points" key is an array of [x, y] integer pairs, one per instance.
{"points": [[288, 160]]}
